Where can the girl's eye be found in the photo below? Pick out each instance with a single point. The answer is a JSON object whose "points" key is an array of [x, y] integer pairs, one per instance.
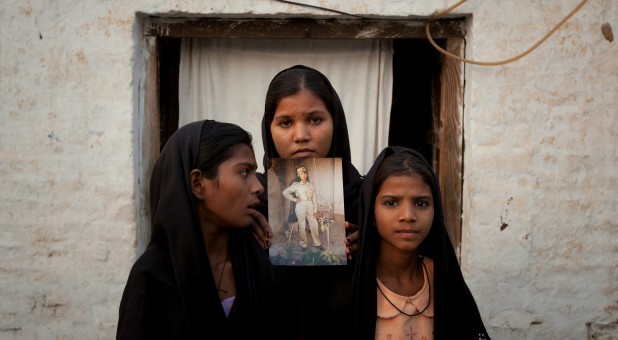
{"points": [[244, 173], [315, 120], [423, 204], [285, 123], [390, 203]]}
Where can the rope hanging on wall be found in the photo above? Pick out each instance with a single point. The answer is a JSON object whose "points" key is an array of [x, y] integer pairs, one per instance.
{"points": [[447, 10], [496, 63]]}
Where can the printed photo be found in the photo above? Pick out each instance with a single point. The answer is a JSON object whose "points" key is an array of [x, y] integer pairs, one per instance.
{"points": [[306, 212]]}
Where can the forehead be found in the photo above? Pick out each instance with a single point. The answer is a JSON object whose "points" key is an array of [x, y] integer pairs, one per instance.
{"points": [[405, 184], [302, 99], [241, 153]]}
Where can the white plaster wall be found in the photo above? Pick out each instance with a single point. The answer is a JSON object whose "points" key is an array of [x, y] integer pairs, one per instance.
{"points": [[540, 156]]}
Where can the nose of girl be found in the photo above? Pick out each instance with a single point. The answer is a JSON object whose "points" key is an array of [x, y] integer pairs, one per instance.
{"points": [[257, 186], [301, 135], [408, 212]]}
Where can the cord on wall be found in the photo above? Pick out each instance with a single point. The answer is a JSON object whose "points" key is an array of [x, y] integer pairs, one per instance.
{"points": [[506, 61], [447, 10]]}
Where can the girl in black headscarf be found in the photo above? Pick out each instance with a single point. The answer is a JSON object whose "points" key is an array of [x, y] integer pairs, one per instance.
{"points": [[288, 84], [406, 259], [203, 275], [304, 118]]}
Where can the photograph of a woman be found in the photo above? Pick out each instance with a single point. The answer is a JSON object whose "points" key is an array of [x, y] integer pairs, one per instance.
{"points": [[303, 194], [306, 197]]}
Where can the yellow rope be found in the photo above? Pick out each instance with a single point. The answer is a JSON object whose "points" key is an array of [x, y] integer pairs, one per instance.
{"points": [[495, 63]]}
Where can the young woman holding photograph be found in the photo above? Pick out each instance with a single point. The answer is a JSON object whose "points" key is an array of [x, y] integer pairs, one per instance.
{"points": [[304, 118]]}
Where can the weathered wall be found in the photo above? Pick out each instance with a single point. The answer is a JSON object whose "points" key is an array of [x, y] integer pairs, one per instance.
{"points": [[539, 220]]}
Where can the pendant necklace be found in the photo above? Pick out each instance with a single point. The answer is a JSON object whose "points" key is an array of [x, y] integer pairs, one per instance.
{"points": [[221, 276], [428, 302]]}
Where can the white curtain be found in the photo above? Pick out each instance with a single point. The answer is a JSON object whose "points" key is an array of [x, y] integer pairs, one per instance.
{"points": [[227, 79]]}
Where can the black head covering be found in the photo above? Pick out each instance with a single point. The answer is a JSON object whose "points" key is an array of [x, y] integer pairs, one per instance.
{"points": [[340, 145], [456, 313], [171, 293]]}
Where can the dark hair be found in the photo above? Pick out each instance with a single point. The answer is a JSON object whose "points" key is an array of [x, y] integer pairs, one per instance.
{"points": [[402, 163], [291, 81], [217, 142]]}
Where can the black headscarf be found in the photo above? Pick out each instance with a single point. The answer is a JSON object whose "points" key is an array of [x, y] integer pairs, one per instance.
{"points": [[456, 313], [170, 292], [340, 145]]}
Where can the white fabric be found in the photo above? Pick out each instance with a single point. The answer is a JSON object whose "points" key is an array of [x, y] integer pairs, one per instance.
{"points": [[227, 79]]}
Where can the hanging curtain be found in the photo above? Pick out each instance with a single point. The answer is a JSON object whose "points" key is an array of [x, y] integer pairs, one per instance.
{"points": [[227, 79]]}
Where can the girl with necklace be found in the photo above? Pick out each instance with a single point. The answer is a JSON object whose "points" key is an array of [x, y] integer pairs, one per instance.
{"points": [[405, 260], [203, 275]]}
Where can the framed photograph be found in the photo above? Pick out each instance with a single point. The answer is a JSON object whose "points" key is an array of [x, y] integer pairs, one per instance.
{"points": [[306, 212]]}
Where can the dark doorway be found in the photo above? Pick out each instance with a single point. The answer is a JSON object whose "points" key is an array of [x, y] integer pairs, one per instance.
{"points": [[416, 68]]}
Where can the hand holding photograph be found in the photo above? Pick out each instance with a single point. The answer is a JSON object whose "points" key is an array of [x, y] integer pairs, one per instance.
{"points": [[305, 196]]}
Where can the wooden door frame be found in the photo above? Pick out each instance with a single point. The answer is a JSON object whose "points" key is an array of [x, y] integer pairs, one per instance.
{"points": [[448, 108]]}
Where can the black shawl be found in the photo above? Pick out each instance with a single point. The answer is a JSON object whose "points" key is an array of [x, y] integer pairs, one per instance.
{"points": [[170, 292], [456, 313]]}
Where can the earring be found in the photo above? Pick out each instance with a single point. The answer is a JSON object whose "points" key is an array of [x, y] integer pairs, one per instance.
{"points": [[307, 138]]}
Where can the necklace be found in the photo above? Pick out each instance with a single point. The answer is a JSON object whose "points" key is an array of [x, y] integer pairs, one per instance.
{"points": [[221, 276], [428, 302]]}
